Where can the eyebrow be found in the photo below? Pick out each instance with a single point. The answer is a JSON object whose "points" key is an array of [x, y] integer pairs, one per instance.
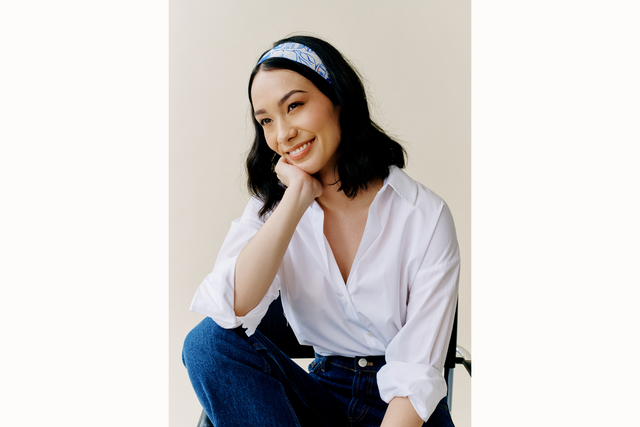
{"points": [[282, 100]]}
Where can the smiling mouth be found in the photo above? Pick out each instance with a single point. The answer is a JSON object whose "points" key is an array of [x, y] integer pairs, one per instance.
{"points": [[301, 149]]}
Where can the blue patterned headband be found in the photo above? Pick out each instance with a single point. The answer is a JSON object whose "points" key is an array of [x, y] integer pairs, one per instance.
{"points": [[301, 54]]}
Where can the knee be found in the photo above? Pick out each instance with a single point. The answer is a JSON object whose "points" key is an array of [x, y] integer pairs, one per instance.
{"points": [[206, 343], [198, 342]]}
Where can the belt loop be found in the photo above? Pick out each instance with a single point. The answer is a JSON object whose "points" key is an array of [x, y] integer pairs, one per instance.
{"points": [[325, 363]]}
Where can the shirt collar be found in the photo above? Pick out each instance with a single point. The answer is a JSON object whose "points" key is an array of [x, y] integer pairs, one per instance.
{"points": [[402, 184], [397, 179]]}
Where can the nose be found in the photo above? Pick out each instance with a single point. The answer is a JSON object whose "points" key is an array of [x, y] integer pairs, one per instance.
{"points": [[285, 132]]}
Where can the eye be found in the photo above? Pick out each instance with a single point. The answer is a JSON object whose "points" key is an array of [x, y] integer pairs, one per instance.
{"points": [[294, 105], [265, 122]]}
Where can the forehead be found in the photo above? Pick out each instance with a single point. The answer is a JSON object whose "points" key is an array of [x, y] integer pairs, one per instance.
{"points": [[272, 85]]}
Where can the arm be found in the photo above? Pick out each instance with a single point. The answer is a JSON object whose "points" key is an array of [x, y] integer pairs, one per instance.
{"points": [[259, 260], [400, 412], [415, 356]]}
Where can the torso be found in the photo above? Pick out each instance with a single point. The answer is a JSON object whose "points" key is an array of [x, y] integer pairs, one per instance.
{"points": [[344, 227], [344, 234]]}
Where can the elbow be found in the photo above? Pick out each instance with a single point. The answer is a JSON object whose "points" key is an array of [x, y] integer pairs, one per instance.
{"points": [[238, 308], [240, 312], [241, 306]]}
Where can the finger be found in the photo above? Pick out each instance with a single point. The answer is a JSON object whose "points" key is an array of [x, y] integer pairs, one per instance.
{"points": [[278, 166], [283, 160]]}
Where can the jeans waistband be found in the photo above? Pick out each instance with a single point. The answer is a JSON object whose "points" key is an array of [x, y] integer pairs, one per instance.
{"points": [[356, 364]]}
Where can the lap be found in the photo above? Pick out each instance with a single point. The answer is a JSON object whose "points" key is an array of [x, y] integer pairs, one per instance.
{"points": [[357, 388], [236, 377]]}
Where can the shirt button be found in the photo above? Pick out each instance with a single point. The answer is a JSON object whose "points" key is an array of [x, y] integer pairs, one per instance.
{"points": [[362, 362]]}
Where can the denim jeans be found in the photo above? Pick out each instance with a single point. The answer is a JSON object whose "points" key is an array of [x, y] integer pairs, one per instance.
{"points": [[248, 381]]}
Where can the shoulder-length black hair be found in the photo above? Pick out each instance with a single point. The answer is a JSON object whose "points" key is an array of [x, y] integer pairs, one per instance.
{"points": [[365, 150]]}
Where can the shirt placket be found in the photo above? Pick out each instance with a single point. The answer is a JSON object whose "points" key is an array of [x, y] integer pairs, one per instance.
{"points": [[341, 289]]}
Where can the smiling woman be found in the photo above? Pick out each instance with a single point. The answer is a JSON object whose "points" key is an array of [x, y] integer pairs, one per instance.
{"points": [[302, 125], [365, 258], [365, 152]]}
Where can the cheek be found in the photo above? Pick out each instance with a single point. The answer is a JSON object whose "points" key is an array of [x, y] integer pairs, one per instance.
{"points": [[331, 123], [333, 129]]}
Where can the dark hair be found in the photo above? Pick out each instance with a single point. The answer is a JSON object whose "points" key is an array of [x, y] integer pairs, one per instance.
{"points": [[366, 151]]}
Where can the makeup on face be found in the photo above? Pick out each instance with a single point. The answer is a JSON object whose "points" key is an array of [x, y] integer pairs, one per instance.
{"points": [[299, 122]]}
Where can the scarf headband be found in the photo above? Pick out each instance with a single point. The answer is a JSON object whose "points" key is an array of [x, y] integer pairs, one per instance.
{"points": [[298, 53]]}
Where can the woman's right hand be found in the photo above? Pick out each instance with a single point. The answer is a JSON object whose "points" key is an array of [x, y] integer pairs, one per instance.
{"points": [[258, 262], [294, 177]]}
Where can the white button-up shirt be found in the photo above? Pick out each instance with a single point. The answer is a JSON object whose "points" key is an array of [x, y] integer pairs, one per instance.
{"points": [[399, 300]]}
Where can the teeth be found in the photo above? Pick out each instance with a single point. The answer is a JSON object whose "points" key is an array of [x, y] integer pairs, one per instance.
{"points": [[299, 150]]}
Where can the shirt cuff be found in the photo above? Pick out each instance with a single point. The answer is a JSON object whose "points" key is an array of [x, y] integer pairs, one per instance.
{"points": [[215, 298], [423, 385]]}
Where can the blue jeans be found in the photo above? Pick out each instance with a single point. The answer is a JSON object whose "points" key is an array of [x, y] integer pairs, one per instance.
{"points": [[248, 381]]}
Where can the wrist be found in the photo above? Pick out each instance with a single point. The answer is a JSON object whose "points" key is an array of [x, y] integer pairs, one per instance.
{"points": [[401, 412], [304, 192]]}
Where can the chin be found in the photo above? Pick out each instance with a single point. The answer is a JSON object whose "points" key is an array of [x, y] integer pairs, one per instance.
{"points": [[310, 171], [308, 167]]}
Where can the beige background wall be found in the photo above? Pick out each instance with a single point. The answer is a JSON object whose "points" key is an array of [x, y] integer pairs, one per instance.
{"points": [[416, 59]]}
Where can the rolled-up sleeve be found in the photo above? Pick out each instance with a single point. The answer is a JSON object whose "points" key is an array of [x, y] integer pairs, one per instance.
{"points": [[415, 356], [215, 295]]}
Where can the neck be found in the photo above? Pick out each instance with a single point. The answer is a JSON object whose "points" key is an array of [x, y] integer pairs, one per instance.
{"points": [[332, 199]]}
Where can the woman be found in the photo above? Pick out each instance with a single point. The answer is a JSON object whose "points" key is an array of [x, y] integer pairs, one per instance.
{"points": [[365, 258]]}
